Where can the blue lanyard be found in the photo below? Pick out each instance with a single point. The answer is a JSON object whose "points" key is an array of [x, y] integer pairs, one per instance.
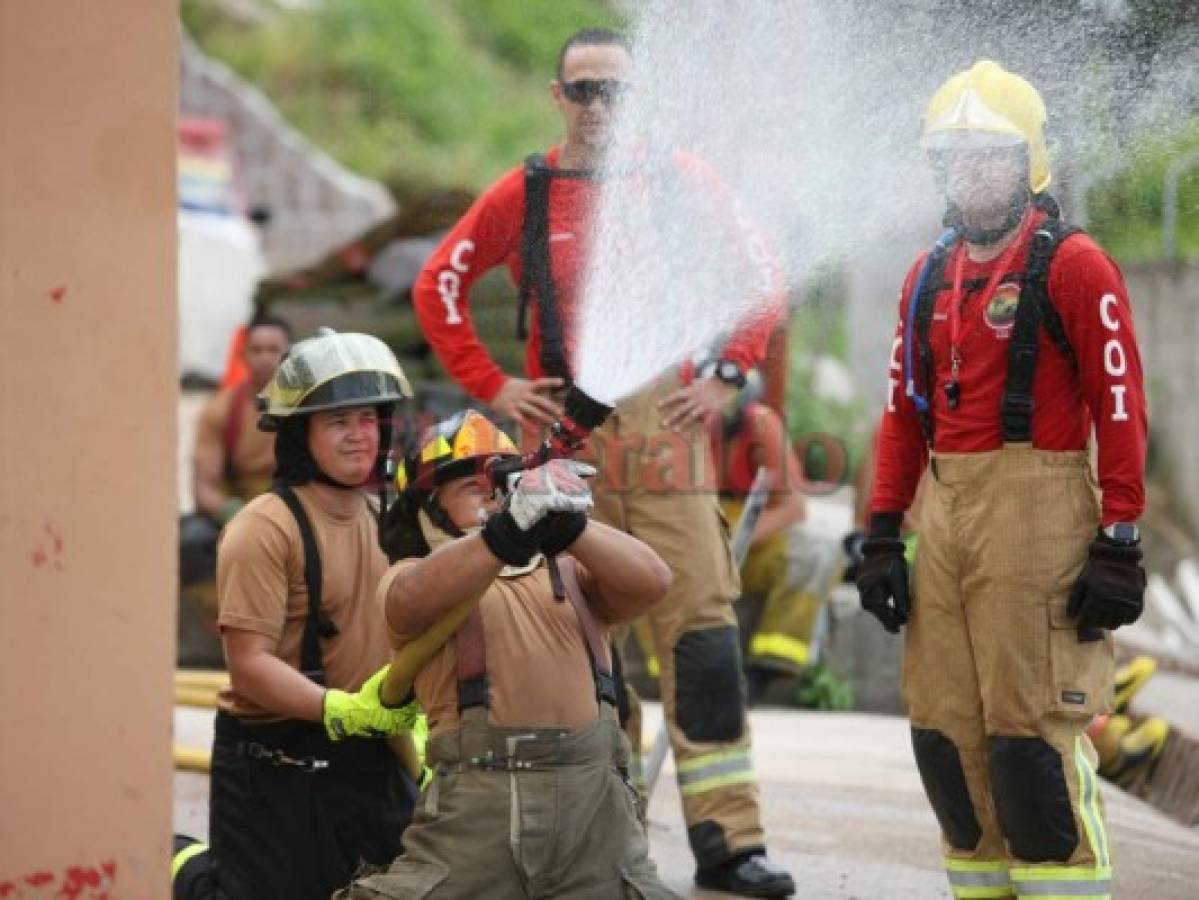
{"points": [[944, 242]]}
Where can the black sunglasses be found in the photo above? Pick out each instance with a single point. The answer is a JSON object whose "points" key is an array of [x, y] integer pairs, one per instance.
{"points": [[585, 91]]}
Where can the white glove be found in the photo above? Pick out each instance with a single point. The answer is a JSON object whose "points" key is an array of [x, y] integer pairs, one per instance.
{"points": [[558, 486]]}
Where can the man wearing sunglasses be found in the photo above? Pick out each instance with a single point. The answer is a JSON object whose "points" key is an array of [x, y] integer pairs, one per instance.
{"points": [[536, 221]]}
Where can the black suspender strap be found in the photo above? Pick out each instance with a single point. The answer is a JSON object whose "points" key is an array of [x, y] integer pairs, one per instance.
{"points": [[535, 276], [316, 625], [1034, 309], [1040, 256]]}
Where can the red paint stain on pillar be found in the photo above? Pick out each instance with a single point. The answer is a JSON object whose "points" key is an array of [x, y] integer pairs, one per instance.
{"points": [[77, 879], [38, 879], [6, 888], [56, 294]]}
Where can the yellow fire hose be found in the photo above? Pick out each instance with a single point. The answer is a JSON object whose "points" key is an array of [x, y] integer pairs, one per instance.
{"points": [[192, 759], [412, 657], [213, 679], [202, 697]]}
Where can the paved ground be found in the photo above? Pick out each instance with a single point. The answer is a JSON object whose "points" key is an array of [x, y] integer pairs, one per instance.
{"points": [[844, 811]]}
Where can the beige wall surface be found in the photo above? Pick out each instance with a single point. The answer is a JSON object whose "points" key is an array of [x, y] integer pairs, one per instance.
{"points": [[87, 445]]}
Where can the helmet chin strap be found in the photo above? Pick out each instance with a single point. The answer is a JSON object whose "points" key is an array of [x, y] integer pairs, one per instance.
{"points": [[1017, 204]]}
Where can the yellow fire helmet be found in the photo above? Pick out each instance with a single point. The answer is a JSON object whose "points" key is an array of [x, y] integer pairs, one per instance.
{"points": [[331, 371], [453, 449], [988, 106]]}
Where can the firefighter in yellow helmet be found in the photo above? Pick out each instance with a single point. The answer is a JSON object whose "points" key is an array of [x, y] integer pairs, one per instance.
{"points": [[304, 786], [1015, 339], [530, 794]]}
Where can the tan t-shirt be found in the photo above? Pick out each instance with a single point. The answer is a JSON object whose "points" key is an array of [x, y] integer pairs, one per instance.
{"points": [[260, 588], [253, 463], [537, 665]]}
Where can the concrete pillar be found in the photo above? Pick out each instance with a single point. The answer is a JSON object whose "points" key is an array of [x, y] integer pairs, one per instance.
{"points": [[87, 446]]}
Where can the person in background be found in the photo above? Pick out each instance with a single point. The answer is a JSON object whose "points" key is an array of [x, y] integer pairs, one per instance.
{"points": [[790, 568], [233, 461]]}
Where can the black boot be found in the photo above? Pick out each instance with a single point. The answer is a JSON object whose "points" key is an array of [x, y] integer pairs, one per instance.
{"points": [[749, 874]]}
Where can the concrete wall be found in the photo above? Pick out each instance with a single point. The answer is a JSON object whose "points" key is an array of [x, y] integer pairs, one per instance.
{"points": [[87, 493], [316, 204], [1165, 304]]}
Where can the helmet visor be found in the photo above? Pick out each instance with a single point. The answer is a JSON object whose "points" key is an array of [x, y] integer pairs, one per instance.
{"points": [[970, 123], [334, 371]]}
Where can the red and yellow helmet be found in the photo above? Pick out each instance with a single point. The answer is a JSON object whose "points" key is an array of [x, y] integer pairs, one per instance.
{"points": [[454, 448]]}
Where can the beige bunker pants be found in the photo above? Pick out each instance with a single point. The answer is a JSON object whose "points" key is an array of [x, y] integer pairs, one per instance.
{"points": [[523, 813], [660, 487], [997, 683]]}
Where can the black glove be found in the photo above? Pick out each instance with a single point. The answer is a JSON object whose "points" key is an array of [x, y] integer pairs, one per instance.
{"points": [[1110, 590], [558, 530], [515, 533], [882, 577], [510, 543]]}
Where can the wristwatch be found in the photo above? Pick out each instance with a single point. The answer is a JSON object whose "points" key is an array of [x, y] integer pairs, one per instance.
{"points": [[724, 369], [1124, 533]]}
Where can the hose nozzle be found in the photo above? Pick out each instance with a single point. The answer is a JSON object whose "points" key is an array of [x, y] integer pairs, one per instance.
{"points": [[567, 436]]}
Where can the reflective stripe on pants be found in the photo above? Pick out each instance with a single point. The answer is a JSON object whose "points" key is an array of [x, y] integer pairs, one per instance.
{"points": [[715, 770], [978, 879]]}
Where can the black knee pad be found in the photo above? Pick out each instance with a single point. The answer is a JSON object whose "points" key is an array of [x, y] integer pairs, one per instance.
{"points": [[944, 780], [708, 687], [1032, 799]]}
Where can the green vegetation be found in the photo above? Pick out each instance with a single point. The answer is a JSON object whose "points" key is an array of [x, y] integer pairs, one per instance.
{"points": [[407, 91], [819, 328], [1126, 210]]}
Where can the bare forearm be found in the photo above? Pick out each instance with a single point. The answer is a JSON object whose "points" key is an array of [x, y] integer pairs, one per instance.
{"points": [[272, 684], [424, 593], [208, 498], [630, 576], [207, 488]]}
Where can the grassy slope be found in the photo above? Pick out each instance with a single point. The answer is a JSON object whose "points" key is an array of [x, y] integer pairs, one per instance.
{"points": [[412, 92], [1126, 210]]}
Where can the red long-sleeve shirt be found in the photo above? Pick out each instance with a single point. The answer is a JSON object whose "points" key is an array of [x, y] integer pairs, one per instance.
{"points": [[489, 235], [1087, 289]]}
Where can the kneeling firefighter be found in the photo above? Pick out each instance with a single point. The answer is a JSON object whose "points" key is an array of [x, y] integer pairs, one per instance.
{"points": [[304, 788], [529, 795], [1015, 338], [789, 566]]}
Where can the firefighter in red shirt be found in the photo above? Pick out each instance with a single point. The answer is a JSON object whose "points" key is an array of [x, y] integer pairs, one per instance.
{"points": [[1015, 340], [535, 220]]}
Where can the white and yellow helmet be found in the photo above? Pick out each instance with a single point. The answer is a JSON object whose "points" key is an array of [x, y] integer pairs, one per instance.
{"points": [[333, 370], [988, 106]]}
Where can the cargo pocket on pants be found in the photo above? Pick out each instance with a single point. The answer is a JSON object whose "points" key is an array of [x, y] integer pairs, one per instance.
{"points": [[1081, 672], [406, 880]]}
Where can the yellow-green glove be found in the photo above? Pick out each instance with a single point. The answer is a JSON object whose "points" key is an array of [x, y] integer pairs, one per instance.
{"points": [[363, 714]]}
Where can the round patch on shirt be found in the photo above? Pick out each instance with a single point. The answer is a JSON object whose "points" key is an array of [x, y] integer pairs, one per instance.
{"points": [[1001, 311]]}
